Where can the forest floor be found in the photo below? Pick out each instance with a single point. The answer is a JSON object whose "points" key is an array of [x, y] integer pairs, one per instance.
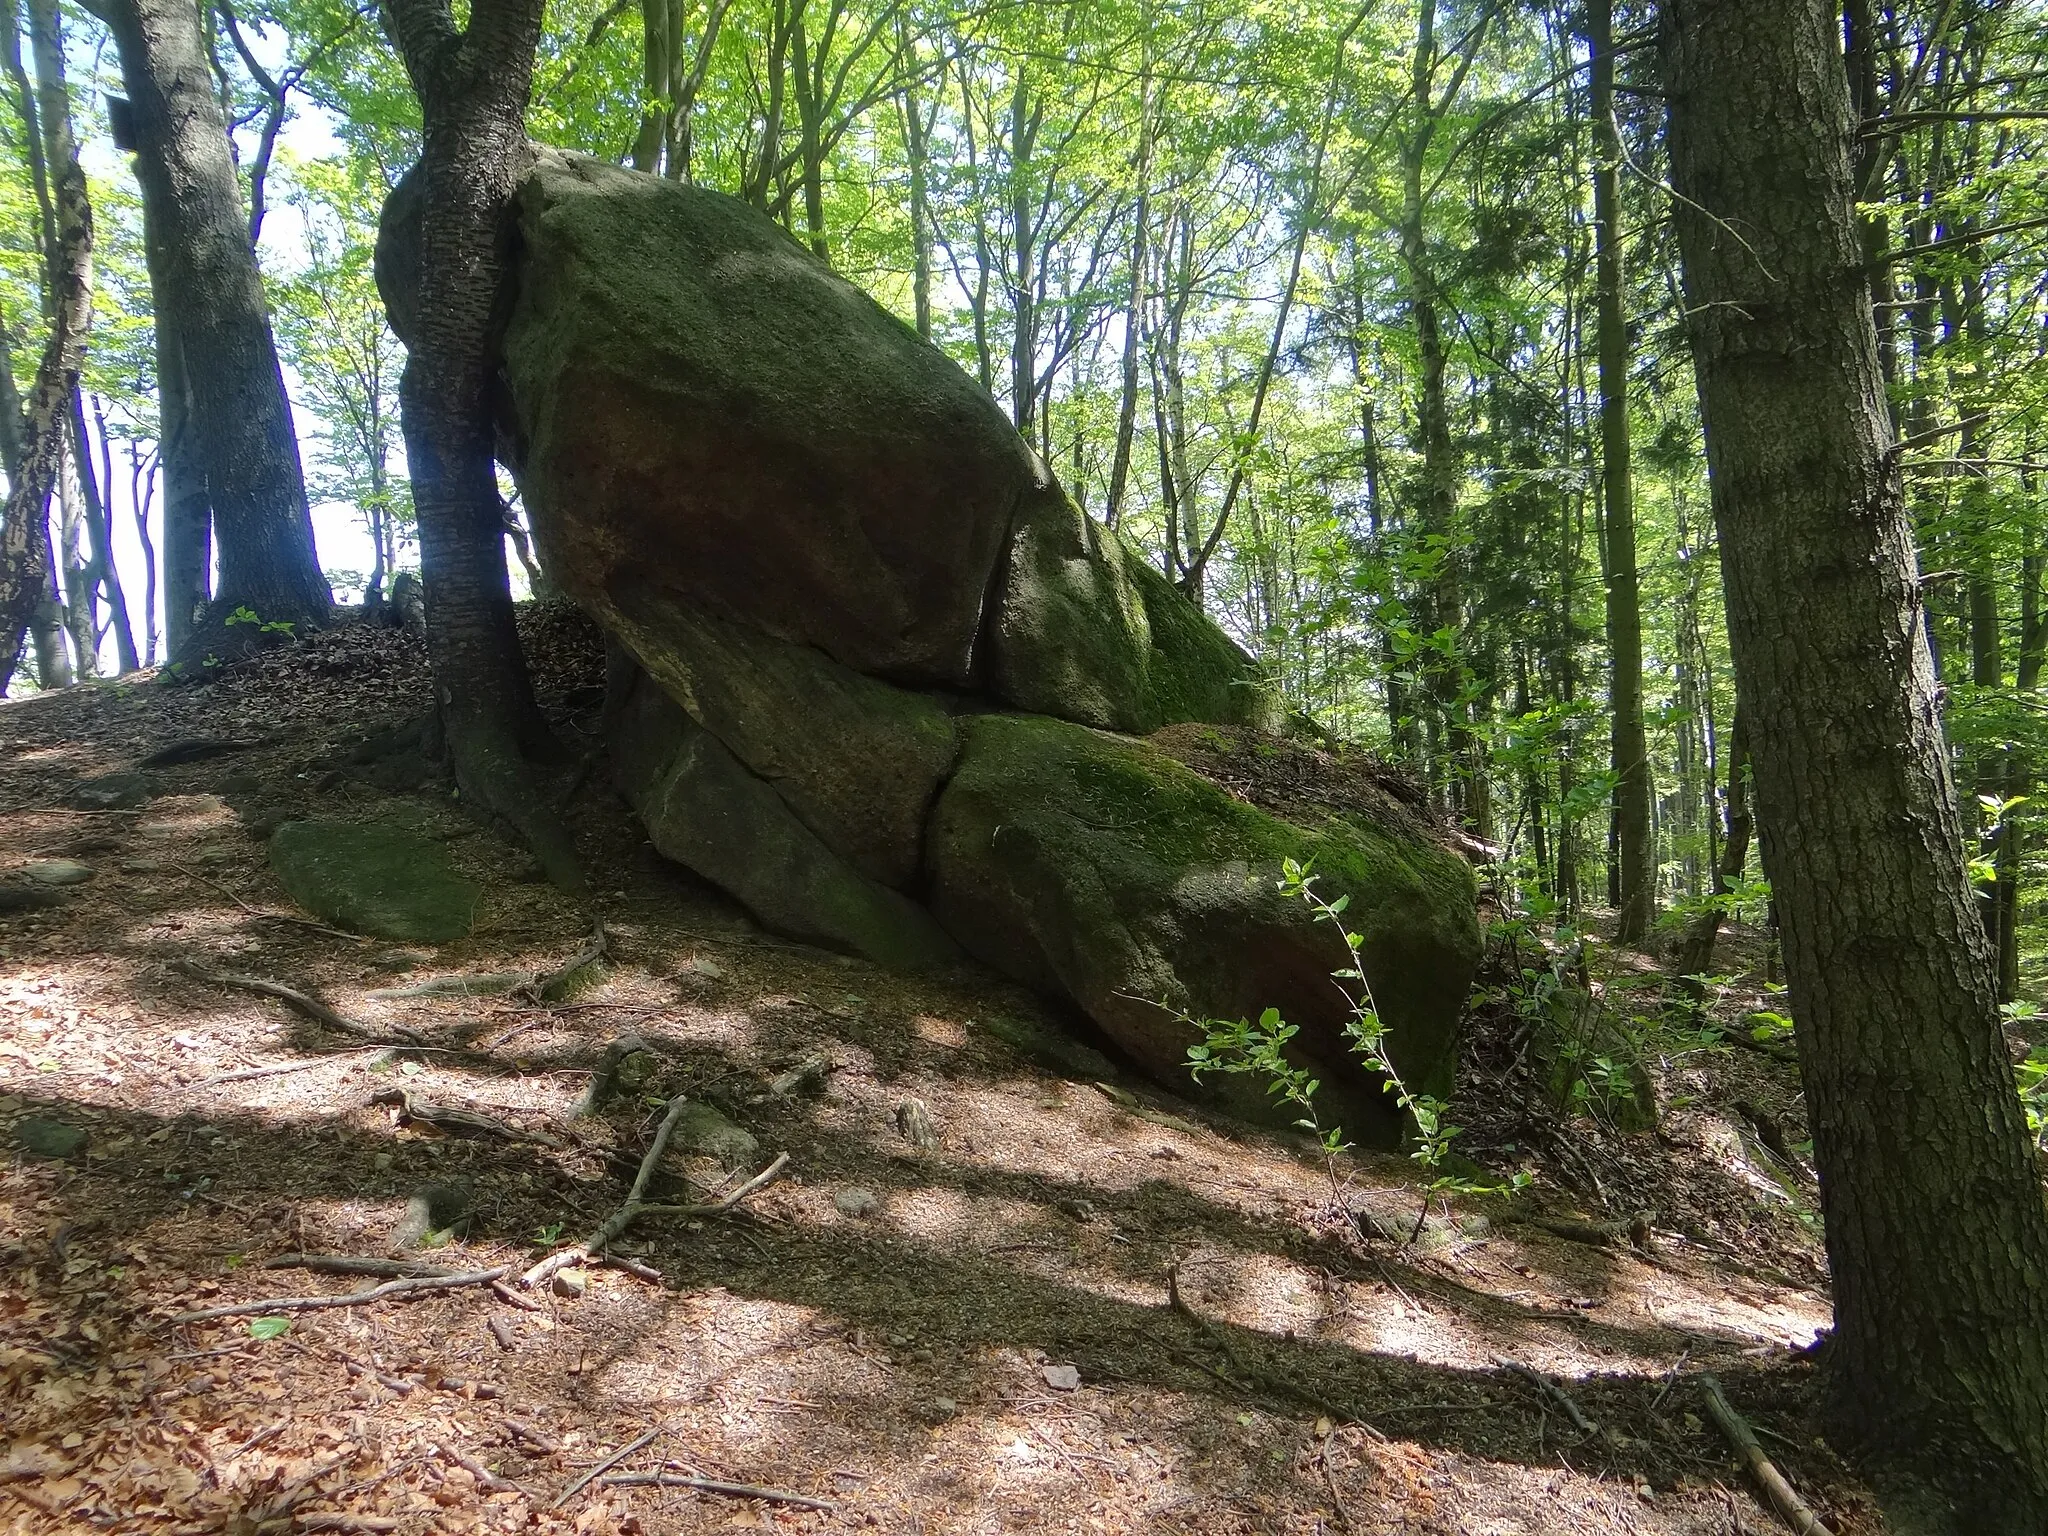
{"points": [[977, 1337]]}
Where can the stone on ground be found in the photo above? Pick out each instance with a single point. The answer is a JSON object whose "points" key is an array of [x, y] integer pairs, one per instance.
{"points": [[114, 792], [376, 879], [56, 872], [49, 1138], [702, 1130]]}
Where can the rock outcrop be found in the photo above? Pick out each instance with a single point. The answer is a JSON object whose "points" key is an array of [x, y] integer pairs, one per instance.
{"points": [[880, 678]]}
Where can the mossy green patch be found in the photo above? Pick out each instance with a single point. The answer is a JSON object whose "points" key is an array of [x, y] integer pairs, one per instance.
{"points": [[374, 878]]}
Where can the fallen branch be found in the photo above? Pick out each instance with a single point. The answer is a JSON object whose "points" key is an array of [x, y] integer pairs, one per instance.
{"points": [[713, 1485], [311, 1007], [1550, 1391], [415, 1285], [485, 1477], [635, 1208], [519, 1429], [275, 1069], [450, 1117], [1790, 1507], [350, 1264], [605, 1466]]}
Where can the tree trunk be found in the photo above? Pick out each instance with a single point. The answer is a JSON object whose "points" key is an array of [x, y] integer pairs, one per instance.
{"points": [[1134, 300], [1636, 854], [443, 243], [1937, 1234], [24, 532], [213, 295]]}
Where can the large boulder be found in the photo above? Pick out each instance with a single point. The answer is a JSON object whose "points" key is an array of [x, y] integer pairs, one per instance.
{"points": [[704, 809], [1099, 868], [696, 396]]}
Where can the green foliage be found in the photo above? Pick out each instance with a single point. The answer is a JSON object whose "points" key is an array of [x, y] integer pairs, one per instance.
{"points": [[269, 1327], [1259, 1050]]}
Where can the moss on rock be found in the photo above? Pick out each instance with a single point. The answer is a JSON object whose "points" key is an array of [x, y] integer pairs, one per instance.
{"points": [[374, 878], [1100, 868]]}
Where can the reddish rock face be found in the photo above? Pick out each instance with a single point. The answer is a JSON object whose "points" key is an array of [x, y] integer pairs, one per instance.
{"points": [[692, 393]]}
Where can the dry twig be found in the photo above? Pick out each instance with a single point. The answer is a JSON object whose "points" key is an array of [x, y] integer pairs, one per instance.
{"points": [[393, 1288], [310, 1006], [634, 1208], [713, 1485], [1791, 1508], [605, 1466], [1550, 1391]]}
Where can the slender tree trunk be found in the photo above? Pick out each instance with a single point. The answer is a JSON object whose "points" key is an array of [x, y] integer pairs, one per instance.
{"points": [[213, 295], [1937, 1233], [1636, 852], [1696, 955], [1134, 300], [100, 536], [442, 246], [24, 530], [81, 616], [917, 151]]}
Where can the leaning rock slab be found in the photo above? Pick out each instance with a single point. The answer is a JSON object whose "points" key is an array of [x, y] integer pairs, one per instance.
{"points": [[703, 808], [859, 761], [373, 878], [695, 394], [1097, 867]]}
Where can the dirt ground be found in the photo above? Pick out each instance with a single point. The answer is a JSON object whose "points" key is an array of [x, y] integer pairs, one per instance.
{"points": [[977, 1337]]}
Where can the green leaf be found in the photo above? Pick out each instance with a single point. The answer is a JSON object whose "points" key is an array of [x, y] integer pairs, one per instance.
{"points": [[269, 1327]]}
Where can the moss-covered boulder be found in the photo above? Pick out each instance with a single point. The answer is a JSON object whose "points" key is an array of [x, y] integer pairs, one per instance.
{"points": [[704, 809], [696, 397], [1086, 630], [370, 877], [859, 761], [1098, 868]]}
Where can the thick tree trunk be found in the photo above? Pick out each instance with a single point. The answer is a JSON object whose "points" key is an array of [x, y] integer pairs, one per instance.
{"points": [[207, 285], [443, 247], [1937, 1233], [1636, 854]]}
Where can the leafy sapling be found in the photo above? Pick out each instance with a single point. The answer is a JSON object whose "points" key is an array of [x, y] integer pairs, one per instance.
{"points": [[1260, 1051]]}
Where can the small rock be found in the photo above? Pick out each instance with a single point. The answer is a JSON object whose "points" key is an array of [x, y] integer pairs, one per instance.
{"points": [[114, 792], [856, 1202], [56, 872], [704, 1131], [709, 968], [141, 866], [383, 1162], [945, 1407], [50, 1138], [1074, 1206], [396, 960], [1061, 1378], [571, 1283]]}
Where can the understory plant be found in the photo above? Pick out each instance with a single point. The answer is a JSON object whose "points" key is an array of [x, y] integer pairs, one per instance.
{"points": [[1258, 1049]]}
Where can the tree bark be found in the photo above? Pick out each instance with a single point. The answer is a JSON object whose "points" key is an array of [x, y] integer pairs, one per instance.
{"points": [[1636, 854], [207, 285], [1937, 1233], [24, 532], [443, 243]]}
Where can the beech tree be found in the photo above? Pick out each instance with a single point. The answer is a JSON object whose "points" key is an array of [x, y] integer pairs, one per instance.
{"points": [[1937, 1234], [209, 292], [441, 267]]}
